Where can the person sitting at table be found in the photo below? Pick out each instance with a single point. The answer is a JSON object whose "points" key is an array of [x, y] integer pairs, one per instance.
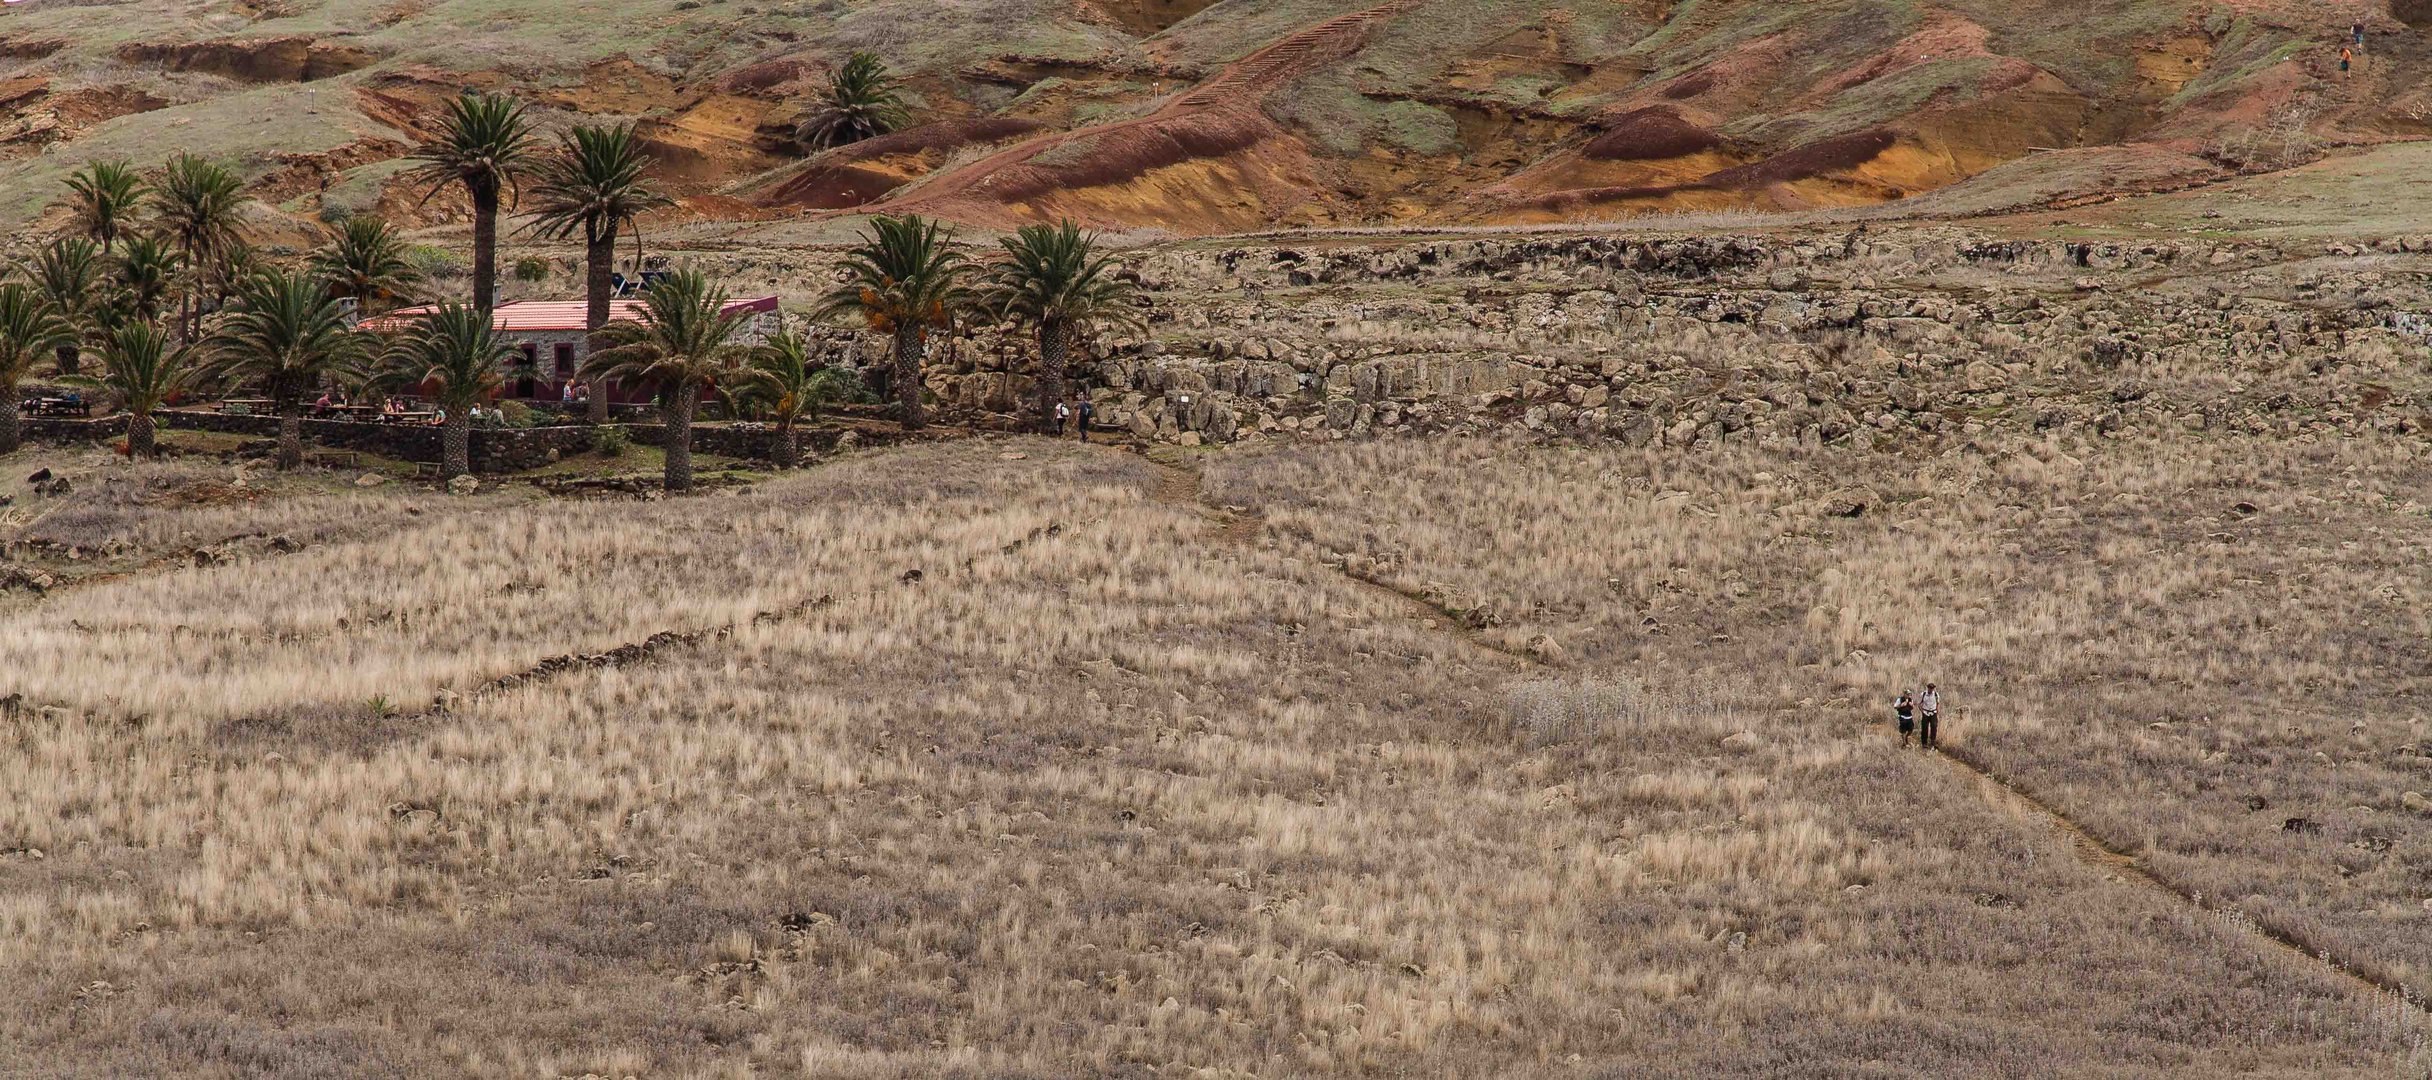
{"points": [[322, 405], [439, 417]]}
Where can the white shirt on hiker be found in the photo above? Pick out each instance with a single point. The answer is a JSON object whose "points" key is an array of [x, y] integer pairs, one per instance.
{"points": [[1930, 704]]}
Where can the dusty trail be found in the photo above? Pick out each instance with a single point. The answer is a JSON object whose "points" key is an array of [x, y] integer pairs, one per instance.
{"points": [[1181, 486]]}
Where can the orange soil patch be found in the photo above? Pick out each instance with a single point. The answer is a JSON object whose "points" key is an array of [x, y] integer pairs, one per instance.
{"points": [[1145, 17], [1944, 36], [1144, 165], [1647, 134], [297, 174], [855, 175], [291, 59]]}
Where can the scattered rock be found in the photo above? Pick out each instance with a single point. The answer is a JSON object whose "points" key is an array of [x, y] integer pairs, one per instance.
{"points": [[370, 479], [2300, 825], [1545, 649], [911, 577], [39, 476], [2256, 802], [1741, 741], [463, 485], [286, 545], [2415, 802]]}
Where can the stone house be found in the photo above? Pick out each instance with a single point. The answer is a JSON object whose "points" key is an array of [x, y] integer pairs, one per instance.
{"points": [[550, 334]]}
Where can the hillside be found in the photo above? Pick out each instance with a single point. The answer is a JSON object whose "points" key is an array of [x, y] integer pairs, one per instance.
{"points": [[1203, 117]]}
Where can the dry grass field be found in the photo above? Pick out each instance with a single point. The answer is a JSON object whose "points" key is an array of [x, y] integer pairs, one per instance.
{"points": [[1010, 758]]}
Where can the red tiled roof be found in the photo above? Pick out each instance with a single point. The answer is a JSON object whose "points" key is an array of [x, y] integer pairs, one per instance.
{"points": [[547, 316]]}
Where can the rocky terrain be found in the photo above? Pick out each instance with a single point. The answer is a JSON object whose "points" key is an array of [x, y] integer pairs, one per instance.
{"points": [[1884, 338], [1199, 118]]}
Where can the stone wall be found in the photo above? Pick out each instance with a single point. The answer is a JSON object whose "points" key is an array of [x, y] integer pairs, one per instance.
{"points": [[64, 430], [494, 450]]}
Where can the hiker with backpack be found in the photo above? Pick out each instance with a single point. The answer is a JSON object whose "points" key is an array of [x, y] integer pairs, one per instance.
{"points": [[1904, 715]]}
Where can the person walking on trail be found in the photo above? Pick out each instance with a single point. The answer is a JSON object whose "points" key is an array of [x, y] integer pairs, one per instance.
{"points": [[1929, 722], [1904, 715], [2356, 33], [1085, 413], [1063, 417], [2346, 57]]}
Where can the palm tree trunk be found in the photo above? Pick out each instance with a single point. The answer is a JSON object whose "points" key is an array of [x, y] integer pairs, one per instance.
{"points": [[1055, 350], [681, 401], [12, 431], [599, 265], [910, 343], [456, 445], [789, 446], [485, 244], [142, 441], [291, 435]]}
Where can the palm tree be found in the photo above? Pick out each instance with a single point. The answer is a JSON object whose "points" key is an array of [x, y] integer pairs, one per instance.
{"points": [[682, 345], [863, 100], [365, 262], [906, 281], [198, 203], [1053, 280], [483, 144], [141, 277], [106, 196], [594, 187], [69, 272], [288, 334], [782, 380], [455, 350], [145, 368], [30, 330]]}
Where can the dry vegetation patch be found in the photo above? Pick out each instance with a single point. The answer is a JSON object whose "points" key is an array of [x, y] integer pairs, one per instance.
{"points": [[1102, 790]]}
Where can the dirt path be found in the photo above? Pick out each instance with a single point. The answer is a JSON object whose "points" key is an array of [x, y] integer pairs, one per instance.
{"points": [[1239, 86], [1180, 486]]}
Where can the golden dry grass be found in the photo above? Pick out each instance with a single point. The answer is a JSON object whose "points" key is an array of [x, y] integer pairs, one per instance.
{"points": [[1106, 791]]}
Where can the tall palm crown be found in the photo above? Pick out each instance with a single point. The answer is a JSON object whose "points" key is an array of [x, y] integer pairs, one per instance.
{"points": [[594, 186], [69, 272], [287, 334], [862, 100], [456, 351], [458, 354], [145, 367], [30, 332], [906, 276], [683, 342], [366, 262], [1053, 273], [142, 275], [106, 196], [906, 280], [483, 143], [1053, 280], [198, 203]]}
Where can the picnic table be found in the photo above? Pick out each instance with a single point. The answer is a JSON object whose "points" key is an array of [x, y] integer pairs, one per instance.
{"points": [[245, 406], [56, 406]]}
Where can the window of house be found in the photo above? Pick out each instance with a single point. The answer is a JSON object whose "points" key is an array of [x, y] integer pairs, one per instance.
{"points": [[565, 360]]}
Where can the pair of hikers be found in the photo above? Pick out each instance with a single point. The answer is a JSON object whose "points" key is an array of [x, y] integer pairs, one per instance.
{"points": [[1078, 409], [1920, 715]]}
